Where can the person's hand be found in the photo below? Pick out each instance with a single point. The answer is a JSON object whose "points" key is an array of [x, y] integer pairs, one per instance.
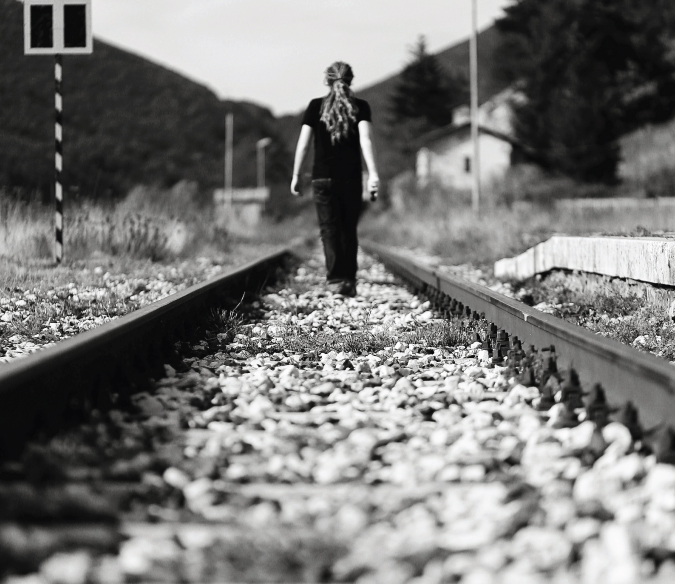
{"points": [[295, 186], [373, 186]]}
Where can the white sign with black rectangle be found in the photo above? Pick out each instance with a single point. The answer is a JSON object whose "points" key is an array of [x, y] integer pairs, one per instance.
{"points": [[57, 27]]}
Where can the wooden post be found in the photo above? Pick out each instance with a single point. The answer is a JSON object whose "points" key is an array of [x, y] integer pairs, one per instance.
{"points": [[260, 147], [229, 145]]}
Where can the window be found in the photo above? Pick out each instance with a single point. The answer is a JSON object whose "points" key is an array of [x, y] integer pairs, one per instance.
{"points": [[75, 25], [467, 164], [41, 26]]}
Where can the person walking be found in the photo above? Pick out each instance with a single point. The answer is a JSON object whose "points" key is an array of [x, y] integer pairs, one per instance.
{"points": [[340, 124]]}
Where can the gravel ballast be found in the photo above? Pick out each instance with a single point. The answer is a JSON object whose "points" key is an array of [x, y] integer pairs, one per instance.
{"points": [[41, 306], [333, 439]]}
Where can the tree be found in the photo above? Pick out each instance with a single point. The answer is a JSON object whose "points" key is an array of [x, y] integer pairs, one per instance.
{"points": [[425, 92], [422, 100], [590, 70]]}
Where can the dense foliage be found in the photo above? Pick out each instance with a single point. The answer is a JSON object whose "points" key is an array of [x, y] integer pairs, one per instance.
{"points": [[590, 71], [422, 99], [425, 91], [127, 121]]}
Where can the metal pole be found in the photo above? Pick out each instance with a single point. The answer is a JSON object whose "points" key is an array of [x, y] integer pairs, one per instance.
{"points": [[229, 134], [58, 188], [475, 194]]}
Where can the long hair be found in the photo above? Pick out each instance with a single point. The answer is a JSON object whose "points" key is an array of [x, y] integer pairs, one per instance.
{"points": [[338, 110]]}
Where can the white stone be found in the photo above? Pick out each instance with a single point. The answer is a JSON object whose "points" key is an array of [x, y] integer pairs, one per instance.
{"points": [[628, 468], [404, 385], [175, 478], [589, 486], [660, 478], [473, 473], [384, 371], [528, 425], [350, 520], [198, 493], [522, 393], [479, 575], [618, 438], [289, 371], [580, 438], [195, 537], [66, 568], [472, 372], [581, 529], [546, 549], [452, 383]]}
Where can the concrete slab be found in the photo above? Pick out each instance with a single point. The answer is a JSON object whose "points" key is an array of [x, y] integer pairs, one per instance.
{"points": [[644, 259]]}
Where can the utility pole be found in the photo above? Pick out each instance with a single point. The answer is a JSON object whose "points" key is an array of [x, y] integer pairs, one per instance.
{"points": [[229, 133], [475, 193]]}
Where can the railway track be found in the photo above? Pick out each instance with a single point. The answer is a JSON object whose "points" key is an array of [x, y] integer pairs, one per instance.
{"points": [[644, 380], [331, 439], [79, 374]]}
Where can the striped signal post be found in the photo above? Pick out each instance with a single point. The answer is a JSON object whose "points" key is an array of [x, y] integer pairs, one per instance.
{"points": [[58, 27], [58, 185]]}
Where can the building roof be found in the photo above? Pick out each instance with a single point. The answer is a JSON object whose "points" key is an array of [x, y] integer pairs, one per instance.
{"points": [[452, 129]]}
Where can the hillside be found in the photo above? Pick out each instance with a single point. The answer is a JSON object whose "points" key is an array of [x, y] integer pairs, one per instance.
{"points": [[127, 121], [454, 58]]}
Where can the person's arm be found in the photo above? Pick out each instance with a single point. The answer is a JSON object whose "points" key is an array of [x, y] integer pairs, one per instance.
{"points": [[365, 136], [301, 149]]}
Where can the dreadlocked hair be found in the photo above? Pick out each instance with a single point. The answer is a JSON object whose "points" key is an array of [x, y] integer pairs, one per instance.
{"points": [[338, 110]]}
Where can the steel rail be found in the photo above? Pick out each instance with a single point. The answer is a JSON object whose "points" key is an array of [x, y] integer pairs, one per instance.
{"points": [[41, 391], [625, 373]]}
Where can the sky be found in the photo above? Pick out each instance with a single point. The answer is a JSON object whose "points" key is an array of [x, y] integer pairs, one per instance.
{"points": [[274, 52]]}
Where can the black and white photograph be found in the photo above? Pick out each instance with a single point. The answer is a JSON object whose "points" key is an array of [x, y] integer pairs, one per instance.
{"points": [[337, 291]]}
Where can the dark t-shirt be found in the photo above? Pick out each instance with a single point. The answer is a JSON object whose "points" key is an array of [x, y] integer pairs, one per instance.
{"points": [[342, 159]]}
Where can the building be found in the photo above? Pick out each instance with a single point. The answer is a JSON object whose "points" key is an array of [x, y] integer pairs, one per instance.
{"points": [[445, 155], [240, 210]]}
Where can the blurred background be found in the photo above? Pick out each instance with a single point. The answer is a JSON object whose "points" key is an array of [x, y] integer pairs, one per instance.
{"points": [[576, 132]]}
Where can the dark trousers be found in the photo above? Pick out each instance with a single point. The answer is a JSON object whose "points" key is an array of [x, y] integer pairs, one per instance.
{"points": [[338, 207]]}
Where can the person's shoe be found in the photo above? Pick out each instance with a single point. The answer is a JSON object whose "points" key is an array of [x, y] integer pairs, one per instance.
{"points": [[335, 287], [348, 288]]}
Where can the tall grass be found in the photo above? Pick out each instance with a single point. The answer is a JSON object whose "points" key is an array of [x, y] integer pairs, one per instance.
{"points": [[148, 224], [444, 225], [648, 155]]}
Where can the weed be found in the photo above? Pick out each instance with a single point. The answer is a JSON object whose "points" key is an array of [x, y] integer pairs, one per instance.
{"points": [[625, 318], [364, 341]]}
